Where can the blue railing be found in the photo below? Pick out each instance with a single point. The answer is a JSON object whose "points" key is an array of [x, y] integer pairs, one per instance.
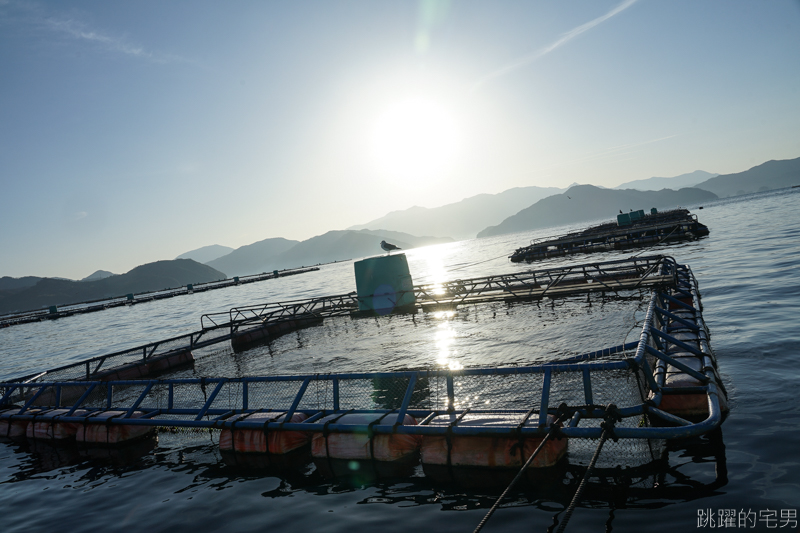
{"points": [[177, 403]]}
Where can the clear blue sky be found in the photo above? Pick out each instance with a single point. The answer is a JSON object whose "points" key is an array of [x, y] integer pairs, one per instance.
{"points": [[136, 131]]}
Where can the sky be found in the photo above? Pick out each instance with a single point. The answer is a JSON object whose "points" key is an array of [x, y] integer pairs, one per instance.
{"points": [[132, 132]]}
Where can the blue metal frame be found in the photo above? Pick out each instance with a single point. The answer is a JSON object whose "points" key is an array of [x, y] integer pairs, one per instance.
{"points": [[649, 345]]}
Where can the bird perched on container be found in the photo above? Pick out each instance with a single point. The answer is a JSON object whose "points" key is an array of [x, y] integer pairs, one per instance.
{"points": [[389, 247]]}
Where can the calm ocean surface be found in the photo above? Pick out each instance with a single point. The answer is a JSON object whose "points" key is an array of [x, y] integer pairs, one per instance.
{"points": [[749, 275]]}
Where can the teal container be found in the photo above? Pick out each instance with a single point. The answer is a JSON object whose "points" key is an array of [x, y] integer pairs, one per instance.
{"points": [[129, 297], [653, 211], [275, 272], [636, 215], [53, 309], [624, 219], [383, 284], [189, 287], [236, 280]]}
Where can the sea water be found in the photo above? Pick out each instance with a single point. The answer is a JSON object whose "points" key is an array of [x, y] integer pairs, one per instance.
{"points": [[749, 275]]}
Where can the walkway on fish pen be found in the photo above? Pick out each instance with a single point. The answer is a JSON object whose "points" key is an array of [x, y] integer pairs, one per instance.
{"points": [[673, 342], [259, 323], [630, 398]]}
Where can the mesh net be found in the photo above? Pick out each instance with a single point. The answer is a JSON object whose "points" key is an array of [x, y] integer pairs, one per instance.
{"points": [[482, 335]]}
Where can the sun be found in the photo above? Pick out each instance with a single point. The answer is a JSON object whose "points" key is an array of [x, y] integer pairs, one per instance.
{"points": [[415, 140]]}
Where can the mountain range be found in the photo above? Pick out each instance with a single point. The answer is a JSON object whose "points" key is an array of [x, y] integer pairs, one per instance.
{"points": [[518, 209], [206, 253], [677, 182], [463, 219], [144, 278], [764, 177], [336, 245]]}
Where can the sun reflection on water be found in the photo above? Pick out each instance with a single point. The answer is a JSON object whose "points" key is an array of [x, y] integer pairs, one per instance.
{"points": [[435, 273], [444, 337]]}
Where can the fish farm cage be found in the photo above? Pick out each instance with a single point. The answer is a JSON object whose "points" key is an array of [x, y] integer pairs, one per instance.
{"points": [[633, 398], [632, 230]]}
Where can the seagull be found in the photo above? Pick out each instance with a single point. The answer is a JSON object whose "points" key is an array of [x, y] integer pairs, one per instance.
{"points": [[389, 247]]}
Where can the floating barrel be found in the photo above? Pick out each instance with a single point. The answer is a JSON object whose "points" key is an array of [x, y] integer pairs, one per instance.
{"points": [[46, 426], [364, 447], [13, 429], [274, 441], [271, 330], [485, 451], [146, 368], [100, 432]]}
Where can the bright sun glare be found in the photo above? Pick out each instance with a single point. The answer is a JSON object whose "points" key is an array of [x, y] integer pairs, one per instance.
{"points": [[415, 140]]}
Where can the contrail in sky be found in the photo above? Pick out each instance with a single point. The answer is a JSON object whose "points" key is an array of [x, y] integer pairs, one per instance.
{"points": [[39, 17], [521, 62], [78, 31]]}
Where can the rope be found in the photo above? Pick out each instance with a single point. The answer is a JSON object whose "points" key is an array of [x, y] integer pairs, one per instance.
{"points": [[552, 432], [610, 417], [660, 241], [478, 263]]}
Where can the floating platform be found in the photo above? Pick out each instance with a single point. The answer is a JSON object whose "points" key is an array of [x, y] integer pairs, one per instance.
{"points": [[92, 306], [628, 232], [664, 386]]}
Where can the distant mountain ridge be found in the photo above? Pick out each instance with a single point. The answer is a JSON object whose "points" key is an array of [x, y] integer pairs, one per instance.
{"points": [[206, 253], [676, 182], [336, 245], [252, 258], [99, 274], [9, 284], [463, 219], [763, 177], [587, 203], [144, 278]]}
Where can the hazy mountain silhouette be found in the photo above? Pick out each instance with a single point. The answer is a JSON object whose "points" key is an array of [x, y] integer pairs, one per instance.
{"points": [[99, 274], [10, 285], [339, 245], [336, 245], [764, 177], [460, 220], [252, 258], [144, 278], [676, 182], [588, 203], [206, 253]]}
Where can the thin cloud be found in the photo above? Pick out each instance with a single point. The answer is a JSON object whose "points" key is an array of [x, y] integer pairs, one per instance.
{"points": [[79, 31], [39, 18], [521, 62]]}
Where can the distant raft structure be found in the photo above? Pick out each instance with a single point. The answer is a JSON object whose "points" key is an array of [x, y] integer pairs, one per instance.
{"points": [[631, 230]]}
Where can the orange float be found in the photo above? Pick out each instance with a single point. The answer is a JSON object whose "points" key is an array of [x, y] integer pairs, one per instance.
{"points": [[260, 441], [13, 429], [99, 432], [487, 451], [46, 426], [359, 446]]}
